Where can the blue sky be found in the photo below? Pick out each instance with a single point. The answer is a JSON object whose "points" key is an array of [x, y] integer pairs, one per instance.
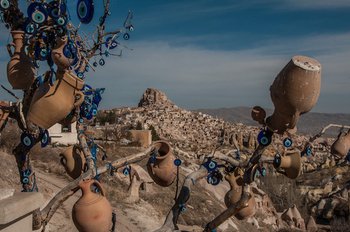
{"points": [[221, 53]]}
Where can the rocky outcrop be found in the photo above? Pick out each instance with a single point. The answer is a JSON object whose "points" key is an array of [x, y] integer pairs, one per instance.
{"points": [[293, 218], [154, 97]]}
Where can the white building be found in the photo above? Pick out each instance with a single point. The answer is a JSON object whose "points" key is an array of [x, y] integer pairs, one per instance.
{"points": [[65, 135]]}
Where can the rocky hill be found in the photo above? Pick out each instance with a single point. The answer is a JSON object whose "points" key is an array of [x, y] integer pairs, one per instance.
{"points": [[320, 191]]}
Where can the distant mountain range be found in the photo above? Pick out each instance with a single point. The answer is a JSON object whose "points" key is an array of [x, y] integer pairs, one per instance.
{"points": [[309, 123]]}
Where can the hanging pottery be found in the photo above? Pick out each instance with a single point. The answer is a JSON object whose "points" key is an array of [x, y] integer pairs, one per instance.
{"points": [[85, 10], [73, 161], [20, 69], [92, 212], [294, 92], [65, 53], [161, 165], [52, 103]]}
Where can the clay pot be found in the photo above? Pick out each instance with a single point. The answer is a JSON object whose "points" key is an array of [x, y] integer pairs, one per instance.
{"points": [[258, 114], [51, 104], [162, 170], [290, 162], [58, 56], [73, 161], [92, 212], [20, 69], [341, 145], [294, 91], [234, 195]]}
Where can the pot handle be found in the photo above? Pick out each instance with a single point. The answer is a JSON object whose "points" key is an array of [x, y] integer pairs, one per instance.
{"points": [[9, 48], [99, 186], [81, 99]]}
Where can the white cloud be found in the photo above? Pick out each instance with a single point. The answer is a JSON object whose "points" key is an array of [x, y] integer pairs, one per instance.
{"points": [[197, 78]]}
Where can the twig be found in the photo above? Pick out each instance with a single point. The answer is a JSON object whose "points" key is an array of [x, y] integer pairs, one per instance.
{"points": [[170, 223]]}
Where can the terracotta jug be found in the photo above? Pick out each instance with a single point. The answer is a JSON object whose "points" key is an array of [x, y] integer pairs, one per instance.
{"points": [[290, 162], [294, 92], [51, 104], [58, 56], [162, 170], [20, 69], [92, 212], [235, 180], [341, 145], [73, 161]]}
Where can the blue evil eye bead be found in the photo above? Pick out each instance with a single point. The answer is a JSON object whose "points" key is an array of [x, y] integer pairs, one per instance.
{"points": [[27, 140], [87, 68], [95, 64], [308, 151], [111, 43], [25, 180], [30, 28], [153, 159], [86, 89], [210, 165], [182, 208], [37, 12], [106, 53], [94, 111], [126, 170], [213, 178], [277, 161], [5, 4], [102, 62], [265, 137], [97, 98], [45, 138], [177, 162], [61, 21], [126, 36], [263, 171], [69, 51], [85, 10], [43, 53], [287, 142], [130, 28], [80, 75]]}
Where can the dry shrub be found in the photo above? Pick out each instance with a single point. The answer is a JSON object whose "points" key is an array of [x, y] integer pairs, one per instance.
{"points": [[284, 192], [340, 225]]}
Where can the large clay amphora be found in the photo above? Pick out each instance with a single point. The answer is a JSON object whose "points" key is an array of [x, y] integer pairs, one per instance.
{"points": [[92, 212], [294, 91], [20, 69], [289, 162], [58, 55], [341, 145], [51, 104], [73, 161], [234, 195], [162, 168]]}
